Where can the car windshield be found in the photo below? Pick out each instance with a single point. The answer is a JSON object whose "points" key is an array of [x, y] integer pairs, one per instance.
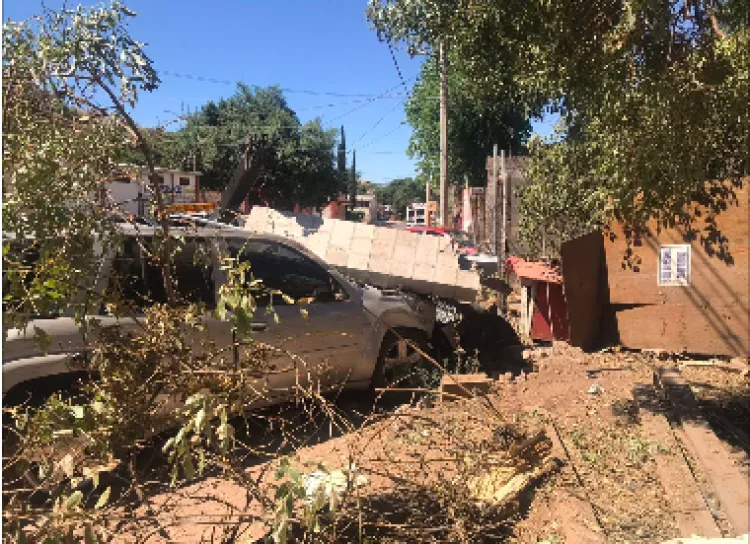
{"points": [[461, 238]]}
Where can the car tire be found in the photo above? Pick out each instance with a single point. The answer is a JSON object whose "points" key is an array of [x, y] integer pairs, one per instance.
{"points": [[398, 360]]}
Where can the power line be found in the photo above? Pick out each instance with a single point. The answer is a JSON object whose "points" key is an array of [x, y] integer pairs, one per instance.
{"points": [[335, 105], [367, 103], [373, 127], [383, 136], [285, 89], [398, 68]]}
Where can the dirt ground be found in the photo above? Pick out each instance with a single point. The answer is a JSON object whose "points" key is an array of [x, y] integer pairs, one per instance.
{"points": [[623, 477]]}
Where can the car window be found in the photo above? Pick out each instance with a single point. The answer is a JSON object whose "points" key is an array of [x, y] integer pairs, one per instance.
{"points": [[140, 281], [281, 268], [433, 233]]}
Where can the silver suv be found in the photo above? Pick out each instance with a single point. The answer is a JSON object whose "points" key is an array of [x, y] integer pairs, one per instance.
{"points": [[346, 337]]}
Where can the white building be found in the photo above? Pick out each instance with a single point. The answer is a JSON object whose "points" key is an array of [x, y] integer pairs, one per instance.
{"points": [[131, 193], [368, 205], [416, 215]]}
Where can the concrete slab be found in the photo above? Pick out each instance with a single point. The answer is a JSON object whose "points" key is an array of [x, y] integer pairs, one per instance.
{"points": [[361, 246], [364, 231], [728, 479], [337, 256], [381, 256]]}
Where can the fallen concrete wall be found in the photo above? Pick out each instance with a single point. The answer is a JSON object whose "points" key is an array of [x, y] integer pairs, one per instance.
{"points": [[380, 256]]}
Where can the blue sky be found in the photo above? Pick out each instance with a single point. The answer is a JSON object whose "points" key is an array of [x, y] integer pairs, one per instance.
{"points": [[310, 47]]}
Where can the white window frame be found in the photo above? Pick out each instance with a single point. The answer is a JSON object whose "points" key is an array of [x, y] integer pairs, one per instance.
{"points": [[671, 280]]}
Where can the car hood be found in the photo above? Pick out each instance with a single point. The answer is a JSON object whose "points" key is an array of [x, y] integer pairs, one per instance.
{"points": [[386, 304]]}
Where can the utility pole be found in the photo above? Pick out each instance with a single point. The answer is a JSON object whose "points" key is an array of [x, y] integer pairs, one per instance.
{"points": [[503, 235], [427, 203], [443, 139], [494, 199]]}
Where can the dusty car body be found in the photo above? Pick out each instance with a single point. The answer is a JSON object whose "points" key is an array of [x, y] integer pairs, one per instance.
{"points": [[344, 338]]}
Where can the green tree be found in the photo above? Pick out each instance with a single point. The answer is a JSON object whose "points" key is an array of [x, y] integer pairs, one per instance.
{"points": [[401, 192], [652, 93], [301, 171], [64, 74], [475, 123]]}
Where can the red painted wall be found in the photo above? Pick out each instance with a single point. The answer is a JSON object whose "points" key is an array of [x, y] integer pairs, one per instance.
{"points": [[550, 313]]}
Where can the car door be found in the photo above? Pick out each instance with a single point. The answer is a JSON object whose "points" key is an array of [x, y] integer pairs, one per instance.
{"points": [[316, 332], [140, 284]]}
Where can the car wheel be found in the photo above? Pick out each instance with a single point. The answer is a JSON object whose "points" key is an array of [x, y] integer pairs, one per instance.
{"points": [[400, 363]]}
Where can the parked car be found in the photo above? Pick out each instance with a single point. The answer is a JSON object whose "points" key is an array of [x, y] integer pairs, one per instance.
{"points": [[346, 337], [460, 240]]}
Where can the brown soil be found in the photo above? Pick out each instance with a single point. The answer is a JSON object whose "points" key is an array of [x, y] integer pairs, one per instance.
{"points": [[610, 488]]}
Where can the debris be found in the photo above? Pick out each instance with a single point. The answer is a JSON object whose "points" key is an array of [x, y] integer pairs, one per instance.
{"points": [[464, 385], [513, 472], [596, 389]]}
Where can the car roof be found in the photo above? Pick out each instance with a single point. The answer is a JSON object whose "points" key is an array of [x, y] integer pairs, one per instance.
{"points": [[441, 230], [210, 229]]}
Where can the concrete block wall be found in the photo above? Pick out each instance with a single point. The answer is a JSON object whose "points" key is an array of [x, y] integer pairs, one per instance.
{"points": [[380, 256]]}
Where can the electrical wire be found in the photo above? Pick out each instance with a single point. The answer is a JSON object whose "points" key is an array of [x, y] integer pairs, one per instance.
{"points": [[383, 136], [373, 127], [398, 68], [285, 89]]}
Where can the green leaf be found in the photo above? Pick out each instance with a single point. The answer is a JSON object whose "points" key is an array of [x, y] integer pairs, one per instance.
{"points": [[187, 466], [103, 499], [74, 500], [200, 419], [42, 339]]}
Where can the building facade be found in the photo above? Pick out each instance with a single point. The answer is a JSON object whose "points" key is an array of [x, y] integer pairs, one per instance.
{"points": [[131, 193]]}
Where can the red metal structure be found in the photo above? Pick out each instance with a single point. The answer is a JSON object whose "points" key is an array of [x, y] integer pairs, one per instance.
{"points": [[543, 285]]}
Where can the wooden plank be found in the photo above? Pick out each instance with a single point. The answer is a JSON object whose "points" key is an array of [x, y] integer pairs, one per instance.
{"points": [[710, 315], [581, 267], [680, 488], [729, 482]]}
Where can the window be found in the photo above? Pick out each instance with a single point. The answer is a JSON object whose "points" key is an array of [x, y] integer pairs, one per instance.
{"points": [[184, 181], [281, 268], [140, 282], [674, 265]]}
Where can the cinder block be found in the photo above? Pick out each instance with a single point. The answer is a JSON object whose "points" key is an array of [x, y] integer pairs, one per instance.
{"points": [[402, 268], [380, 266], [386, 234], [336, 256], [361, 246], [327, 225], [444, 244], [447, 259], [407, 239], [423, 272], [404, 255], [342, 234], [468, 279], [382, 249], [427, 250], [257, 221], [358, 261], [464, 385], [362, 230], [318, 245]]}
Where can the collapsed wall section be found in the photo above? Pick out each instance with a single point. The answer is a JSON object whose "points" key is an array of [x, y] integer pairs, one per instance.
{"points": [[380, 256]]}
